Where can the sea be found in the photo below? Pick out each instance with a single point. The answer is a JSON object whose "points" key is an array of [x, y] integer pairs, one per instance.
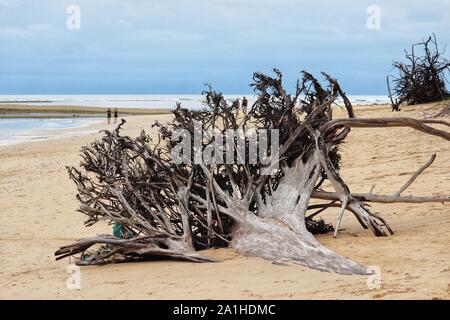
{"points": [[144, 101], [17, 130]]}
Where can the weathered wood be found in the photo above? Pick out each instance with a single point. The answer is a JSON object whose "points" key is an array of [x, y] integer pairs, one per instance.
{"points": [[443, 113], [169, 209], [421, 78]]}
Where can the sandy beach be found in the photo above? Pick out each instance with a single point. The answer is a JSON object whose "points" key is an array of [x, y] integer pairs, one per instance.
{"points": [[38, 211], [24, 110]]}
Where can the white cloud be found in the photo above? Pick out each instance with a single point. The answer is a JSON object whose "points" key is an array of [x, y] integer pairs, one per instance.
{"points": [[26, 31], [9, 3]]}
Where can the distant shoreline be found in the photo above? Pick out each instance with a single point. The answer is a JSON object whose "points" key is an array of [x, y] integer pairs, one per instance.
{"points": [[61, 111], [14, 110]]}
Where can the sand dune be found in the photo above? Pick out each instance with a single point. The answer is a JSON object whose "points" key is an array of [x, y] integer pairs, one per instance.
{"points": [[38, 215]]}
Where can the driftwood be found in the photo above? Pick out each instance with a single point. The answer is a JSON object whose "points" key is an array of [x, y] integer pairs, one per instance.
{"points": [[172, 209], [421, 78], [443, 113]]}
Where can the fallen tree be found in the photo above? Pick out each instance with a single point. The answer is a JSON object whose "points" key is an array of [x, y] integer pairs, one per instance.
{"points": [[171, 208], [421, 78]]}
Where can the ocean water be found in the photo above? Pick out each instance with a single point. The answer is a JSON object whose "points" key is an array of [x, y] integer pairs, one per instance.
{"points": [[26, 129], [19, 130], [143, 101]]}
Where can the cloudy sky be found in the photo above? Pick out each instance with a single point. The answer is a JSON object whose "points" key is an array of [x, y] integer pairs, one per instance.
{"points": [[175, 46]]}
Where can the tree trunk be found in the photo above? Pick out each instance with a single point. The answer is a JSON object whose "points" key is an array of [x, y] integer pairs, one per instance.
{"points": [[279, 232], [272, 239]]}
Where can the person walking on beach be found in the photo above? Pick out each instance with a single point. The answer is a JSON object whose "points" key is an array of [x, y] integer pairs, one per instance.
{"points": [[237, 106], [244, 105], [116, 115], [108, 115]]}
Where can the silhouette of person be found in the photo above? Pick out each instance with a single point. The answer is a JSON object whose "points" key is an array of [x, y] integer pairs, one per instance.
{"points": [[116, 115], [244, 105], [108, 115], [237, 105]]}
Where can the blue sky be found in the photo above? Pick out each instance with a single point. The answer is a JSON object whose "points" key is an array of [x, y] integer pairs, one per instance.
{"points": [[175, 46]]}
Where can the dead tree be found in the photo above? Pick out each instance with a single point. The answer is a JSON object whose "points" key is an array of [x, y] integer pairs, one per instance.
{"points": [[172, 209], [421, 78]]}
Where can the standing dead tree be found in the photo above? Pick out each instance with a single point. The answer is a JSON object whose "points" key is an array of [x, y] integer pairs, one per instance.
{"points": [[172, 209], [421, 78]]}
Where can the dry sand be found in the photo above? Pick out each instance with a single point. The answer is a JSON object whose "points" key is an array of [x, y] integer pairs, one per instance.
{"points": [[38, 215]]}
